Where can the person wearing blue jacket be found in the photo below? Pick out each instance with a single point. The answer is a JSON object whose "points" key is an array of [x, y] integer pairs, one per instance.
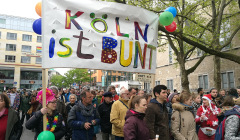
{"points": [[82, 117]]}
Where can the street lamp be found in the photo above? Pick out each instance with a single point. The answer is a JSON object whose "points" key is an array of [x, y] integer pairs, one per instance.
{"points": [[90, 80]]}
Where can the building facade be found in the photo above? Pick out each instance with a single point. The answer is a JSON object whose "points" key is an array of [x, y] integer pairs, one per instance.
{"points": [[20, 60], [168, 71], [104, 78]]}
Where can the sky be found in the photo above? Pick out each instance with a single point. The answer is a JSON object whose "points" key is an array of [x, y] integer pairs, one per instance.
{"points": [[23, 8]]}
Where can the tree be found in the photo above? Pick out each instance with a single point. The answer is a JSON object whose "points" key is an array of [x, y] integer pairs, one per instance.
{"points": [[77, 76], [72, 76], [58, 80], [209, 25]]}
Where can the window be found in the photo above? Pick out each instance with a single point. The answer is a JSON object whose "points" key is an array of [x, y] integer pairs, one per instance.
{"points": [[26, 48], [26, 37], [25, 59], [38, 60], [203, 81], [170, 84], [2, 21], [147, 86], [227, 80], [39, 39], [114, 78], [31, 75], [157, 83], [12, 36], [9, 58], [6, 74], [10, 47], [170, 55]]}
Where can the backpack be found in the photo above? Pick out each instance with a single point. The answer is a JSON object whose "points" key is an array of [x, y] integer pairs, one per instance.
{"points": [[220, 132]]}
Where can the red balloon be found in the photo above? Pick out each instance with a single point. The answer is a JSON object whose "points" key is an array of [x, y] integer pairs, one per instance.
{"points": [[172, 27]]}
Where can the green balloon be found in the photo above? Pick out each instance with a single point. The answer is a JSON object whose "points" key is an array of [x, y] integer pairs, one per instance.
{"points": [[46, 135], [166, 18]]}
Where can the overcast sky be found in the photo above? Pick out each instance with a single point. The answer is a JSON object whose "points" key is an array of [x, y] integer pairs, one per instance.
{"points": [[22, 8]]}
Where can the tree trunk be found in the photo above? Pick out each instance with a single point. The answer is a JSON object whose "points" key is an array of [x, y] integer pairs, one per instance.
{"points": [[184, 75], [217, 73]]}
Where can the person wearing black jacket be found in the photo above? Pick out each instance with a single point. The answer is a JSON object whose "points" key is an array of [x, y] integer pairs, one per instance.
{"points": [[55, 122], [104, 111]]}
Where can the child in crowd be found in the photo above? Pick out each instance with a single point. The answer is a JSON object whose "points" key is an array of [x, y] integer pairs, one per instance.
{"points": [[196, 102]]}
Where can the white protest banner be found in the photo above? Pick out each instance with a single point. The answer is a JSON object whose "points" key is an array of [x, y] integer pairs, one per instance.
{"points": [[98, 35]]}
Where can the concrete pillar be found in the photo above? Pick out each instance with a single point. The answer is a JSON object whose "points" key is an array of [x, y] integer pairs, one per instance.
{"points": [[17, 77]]}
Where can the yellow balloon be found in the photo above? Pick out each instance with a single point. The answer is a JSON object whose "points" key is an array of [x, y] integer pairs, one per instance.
{"points": [[38, 9]]}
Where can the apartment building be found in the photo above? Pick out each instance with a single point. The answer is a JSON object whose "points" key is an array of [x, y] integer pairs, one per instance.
{"points": [[20, 59], [168, 71]]}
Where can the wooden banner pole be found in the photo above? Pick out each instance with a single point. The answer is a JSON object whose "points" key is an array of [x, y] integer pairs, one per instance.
{"points": [[44, 86]]}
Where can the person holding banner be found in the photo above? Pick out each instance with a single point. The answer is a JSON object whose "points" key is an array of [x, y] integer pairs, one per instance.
{"points": [[55, 122]]}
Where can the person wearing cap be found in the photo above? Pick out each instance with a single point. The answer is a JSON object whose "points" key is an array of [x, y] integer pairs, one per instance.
{"points": [[55, 122], [112, 89], [14, 99], [207, 118], [104, 111]]}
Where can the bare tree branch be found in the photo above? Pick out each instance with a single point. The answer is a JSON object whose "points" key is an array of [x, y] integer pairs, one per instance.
{"points": [[120, 1], [189, 51], [213, 15], [200, 25], [231, 15], [172, 45], [228, 3], [231, 37], [188, 56], [219, 19], [192, 69], [197, 39]]}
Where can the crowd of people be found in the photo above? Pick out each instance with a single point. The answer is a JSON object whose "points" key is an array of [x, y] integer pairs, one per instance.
{"points": [[131, 114]]}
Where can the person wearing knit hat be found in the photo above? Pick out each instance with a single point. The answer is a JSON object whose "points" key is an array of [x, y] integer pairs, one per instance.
{"points": [[55, 122], [172, 98], [207, 118]]}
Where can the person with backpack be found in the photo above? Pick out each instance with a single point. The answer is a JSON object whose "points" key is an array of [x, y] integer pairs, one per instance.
{"points": [[207, 118], [229, 127]]}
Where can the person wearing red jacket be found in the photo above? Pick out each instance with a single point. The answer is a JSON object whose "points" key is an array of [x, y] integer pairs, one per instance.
{"points": [[207, 118]]}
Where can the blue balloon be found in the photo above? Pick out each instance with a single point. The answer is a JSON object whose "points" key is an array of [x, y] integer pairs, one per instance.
{"points": [[173, 10], [37, 26]]}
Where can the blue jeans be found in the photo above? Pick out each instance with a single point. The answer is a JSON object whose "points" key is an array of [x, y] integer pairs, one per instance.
{"points": [[119, 138]]}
